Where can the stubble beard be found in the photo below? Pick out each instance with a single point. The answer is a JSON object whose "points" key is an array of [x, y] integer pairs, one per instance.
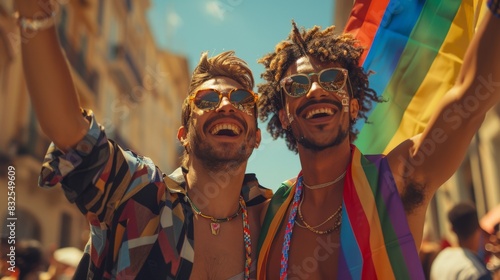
{"points": [[308, 144], [220, 157]]}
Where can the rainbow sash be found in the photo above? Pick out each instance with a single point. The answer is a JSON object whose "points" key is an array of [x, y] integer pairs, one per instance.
{"points": [[416, 49], [375, 240]]}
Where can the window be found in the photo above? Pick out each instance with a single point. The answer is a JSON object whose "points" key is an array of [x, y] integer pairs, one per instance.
{"points": [[128, 4], [29, 228], [100, 14], [65, 237]]}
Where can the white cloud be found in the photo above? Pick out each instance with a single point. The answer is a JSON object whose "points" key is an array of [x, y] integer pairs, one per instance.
{"points": [[216, 9], [173, 20]]}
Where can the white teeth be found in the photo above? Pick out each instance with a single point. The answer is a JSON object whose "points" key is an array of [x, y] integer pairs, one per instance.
{"points": [[327, 111], [225, 126]]}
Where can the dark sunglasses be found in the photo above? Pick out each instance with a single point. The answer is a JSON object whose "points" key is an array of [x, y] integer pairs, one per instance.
{"points": [[210, 99], [330, 79]]}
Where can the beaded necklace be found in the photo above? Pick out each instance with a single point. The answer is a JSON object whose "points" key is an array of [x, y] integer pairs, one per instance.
{"points": [[215, 222], [246, 239], [246, 229], [289, 229]]}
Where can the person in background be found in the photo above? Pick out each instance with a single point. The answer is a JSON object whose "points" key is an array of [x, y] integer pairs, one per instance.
{"points": [[467, 260], [29, 260], [63, 264], [4, 250]]}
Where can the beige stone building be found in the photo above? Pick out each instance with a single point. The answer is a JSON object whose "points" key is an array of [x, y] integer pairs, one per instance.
{"points": [[134, 88]]}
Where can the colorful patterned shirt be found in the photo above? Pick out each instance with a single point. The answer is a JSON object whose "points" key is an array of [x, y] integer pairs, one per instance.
{"points": [[140, 221]]}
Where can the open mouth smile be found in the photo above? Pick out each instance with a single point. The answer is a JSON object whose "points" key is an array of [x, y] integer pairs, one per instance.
{"points": [[319, 112], [225, 129]]}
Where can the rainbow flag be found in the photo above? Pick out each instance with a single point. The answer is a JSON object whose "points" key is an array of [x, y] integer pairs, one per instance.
{"points": [[376, 242], [415, 48]]}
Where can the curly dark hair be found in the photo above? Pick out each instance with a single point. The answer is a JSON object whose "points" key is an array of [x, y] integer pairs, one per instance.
{"points": [[326, 46]]}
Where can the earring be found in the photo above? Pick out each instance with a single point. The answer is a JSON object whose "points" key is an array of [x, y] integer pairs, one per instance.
{"points": [[345, 104]]}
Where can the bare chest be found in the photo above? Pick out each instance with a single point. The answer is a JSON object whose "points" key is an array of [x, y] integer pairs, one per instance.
{"points": [[218, 256], [311, 256]]}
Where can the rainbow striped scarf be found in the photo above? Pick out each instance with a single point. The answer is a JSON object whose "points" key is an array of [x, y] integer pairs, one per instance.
{"points": [[416, 49], [375, 240]]}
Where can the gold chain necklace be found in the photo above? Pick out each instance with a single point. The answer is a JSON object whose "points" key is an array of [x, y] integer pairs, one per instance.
{"points": [[338, 221], [215, 222], [320, 186]]}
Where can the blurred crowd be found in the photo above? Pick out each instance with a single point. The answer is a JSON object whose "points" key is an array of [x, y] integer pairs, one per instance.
{"points": [[476, 254], [32, 262]]}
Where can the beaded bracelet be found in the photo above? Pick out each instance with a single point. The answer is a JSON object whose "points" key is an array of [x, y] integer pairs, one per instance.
{"points": [[32, 24], [494, 6]]}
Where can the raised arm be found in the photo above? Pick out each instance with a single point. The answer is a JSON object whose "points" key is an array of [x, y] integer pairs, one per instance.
{"points": [[48, 78], [426, 161]]}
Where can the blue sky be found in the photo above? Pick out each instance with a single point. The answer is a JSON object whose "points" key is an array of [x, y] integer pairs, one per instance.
{"points": [[251, 28]]}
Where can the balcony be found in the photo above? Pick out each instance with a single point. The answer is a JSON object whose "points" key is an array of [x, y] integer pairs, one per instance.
{"points": [[78, 62], [124, 70]]}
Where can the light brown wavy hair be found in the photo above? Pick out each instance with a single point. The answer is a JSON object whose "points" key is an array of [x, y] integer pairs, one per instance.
{"points": [[225, 64], [326, 46]]}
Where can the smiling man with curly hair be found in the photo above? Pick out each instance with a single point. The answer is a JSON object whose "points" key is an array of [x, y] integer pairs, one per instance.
{"points": [[348, 215]]}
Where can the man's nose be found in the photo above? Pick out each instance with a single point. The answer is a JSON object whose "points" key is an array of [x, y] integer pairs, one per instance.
{"points": [[316, 91], [225, 105]]}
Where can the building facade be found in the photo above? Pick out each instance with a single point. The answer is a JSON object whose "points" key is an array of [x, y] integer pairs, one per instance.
{"points": [[134, 88]]}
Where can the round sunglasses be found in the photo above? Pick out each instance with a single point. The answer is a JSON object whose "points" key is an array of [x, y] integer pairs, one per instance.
{"points": [[330, 79], [210, 99]]}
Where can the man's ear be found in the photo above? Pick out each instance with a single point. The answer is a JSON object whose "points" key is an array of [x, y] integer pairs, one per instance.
{"points": [[354, 108], [285, 122], [258, 138], [182, 135]]}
